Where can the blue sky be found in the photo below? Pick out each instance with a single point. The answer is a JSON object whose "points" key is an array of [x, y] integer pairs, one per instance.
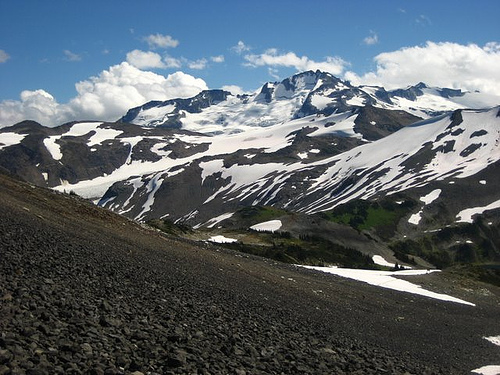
{"points": [[115, 47]]}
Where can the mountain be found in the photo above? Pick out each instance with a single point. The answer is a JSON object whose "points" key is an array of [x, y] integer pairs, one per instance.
{"points": [[310, 144], [309, 93]]}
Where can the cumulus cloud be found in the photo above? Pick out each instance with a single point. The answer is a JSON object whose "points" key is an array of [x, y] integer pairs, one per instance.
{"points": [[4, 56], [371, 39], [161, 41], [37, 104], [240, 47], [104, 97], [145, 60], [233, 89], [217, 59], [70, 56], [446, 64], [172, 62], [272, 58], [198, 64]]}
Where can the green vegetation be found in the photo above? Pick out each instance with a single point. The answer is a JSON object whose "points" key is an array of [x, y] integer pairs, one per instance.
{"points": [[257, 214], [464, 243], [311, 250], [475, 246], [405, 250], [381, 216]]}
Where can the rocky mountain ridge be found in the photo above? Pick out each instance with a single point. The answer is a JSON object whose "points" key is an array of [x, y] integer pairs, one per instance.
{"points": [[308, 144]]}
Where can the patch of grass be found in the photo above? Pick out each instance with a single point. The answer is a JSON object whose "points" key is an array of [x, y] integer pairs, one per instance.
{"points": [[378, 216], [258, 214], [381, 216]]}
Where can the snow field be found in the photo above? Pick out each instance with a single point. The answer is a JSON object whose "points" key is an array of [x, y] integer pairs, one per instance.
{"points": [[221, 239], [77, 130], [216, 220], [427, 199], [377, 259], [374, 163], [157, 115], [386, 279], [465, 216], [267, 226], [490, 369], [10, 139], [493, 339], [377, 159], [487, 370]]}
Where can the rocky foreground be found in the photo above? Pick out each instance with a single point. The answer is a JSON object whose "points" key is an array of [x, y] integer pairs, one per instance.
{"points": [[84, 291]]}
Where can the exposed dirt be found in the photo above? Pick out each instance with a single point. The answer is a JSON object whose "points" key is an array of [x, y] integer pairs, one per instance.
{"points": [[83, 290]]}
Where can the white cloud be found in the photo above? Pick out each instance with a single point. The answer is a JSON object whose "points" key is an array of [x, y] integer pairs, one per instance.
{"points": [[145, 60], [273, 73], [38, 104], [233, 89], [70, 56], [446, 64], [4, 56], [198, 64], [371, 39], [172, 62], [161, 41], [240, 47], [104, 97], [217, 59], [271, 57]]}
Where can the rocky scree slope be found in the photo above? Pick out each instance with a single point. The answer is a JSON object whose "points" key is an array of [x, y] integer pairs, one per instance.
{"points": [[83, 290]]}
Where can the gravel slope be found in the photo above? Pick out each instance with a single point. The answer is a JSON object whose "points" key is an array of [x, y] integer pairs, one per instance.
{"points": [[85, 291]]}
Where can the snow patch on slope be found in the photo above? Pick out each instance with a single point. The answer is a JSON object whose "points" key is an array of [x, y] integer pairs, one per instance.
{"points": [[10, 139], [267, 226], [222, 239], [377, 259], [386, 279], [77, 130], [380, 165], [427, 199], [465, 216]]}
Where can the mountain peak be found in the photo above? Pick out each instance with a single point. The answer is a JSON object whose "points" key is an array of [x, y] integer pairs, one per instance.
{"points": [[421, 85], [312, 92]]}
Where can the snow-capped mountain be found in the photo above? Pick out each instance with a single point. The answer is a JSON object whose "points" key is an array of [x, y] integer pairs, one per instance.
{"points": [[307, 144], [302, 95]]}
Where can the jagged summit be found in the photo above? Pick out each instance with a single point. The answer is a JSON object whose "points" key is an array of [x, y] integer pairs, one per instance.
{"points": [[301, 95]]}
